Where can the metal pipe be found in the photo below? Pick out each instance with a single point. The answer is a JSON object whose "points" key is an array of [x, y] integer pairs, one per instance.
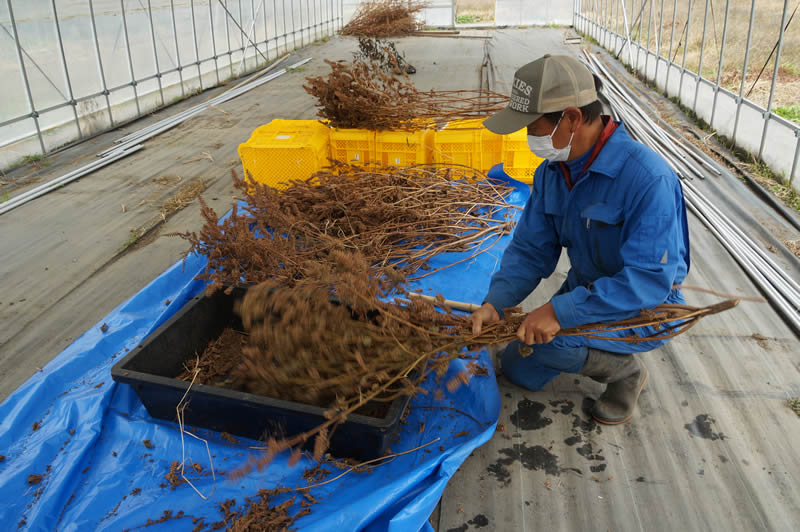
{"points": [[770, 268], [228, 36], [685, 48], [752, 272], [266, 32], [99, 60], [313, 17], [721, 60], [787, 290], [130, 59], [67, 81], [171, 122], [639, 36], [302, 27], [24, 73], [294, 29], [56, 182], [213, 39], [250, 32], [255, 13], [177, 51], [658, 43], [184, 115], [41, 190], [196, 49], [155, 51], [241, 31], [649, 36], [285, 33], [275, 28], [744, 69], [700, 63], [628, 34], [671, 37], [796, 156], [768, 112]]}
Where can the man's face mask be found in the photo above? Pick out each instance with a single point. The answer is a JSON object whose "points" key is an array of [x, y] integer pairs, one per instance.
{"points": [[543, 146]]}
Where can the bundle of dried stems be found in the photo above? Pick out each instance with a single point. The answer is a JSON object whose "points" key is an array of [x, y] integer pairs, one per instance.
{"points": [[357, 234], [384, 53], [385, 18], [363, 95], [362, 347], [391, 216]]}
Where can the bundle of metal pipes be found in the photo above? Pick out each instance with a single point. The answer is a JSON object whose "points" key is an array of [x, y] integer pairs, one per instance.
{"points": [[689, 163], [132, 143], [174, 120]]}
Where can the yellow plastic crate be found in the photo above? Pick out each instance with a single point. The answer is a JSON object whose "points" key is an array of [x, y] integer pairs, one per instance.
{"points": [[467, 142], [285, 150], [518, 160], [353, 146], [403, 148]]}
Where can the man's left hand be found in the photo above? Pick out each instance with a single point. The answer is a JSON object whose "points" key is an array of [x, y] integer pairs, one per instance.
{"points": [[539, 326]]}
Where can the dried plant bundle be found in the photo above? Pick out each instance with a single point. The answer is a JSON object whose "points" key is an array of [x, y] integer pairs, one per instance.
{"points": [[391, 216], [385, 18], [364, 95]]}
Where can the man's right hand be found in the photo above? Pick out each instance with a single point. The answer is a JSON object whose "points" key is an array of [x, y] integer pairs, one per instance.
{"points": [[486, 314]]}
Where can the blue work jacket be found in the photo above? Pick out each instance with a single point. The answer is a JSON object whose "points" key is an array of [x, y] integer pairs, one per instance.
{"points": [[623, 224]]}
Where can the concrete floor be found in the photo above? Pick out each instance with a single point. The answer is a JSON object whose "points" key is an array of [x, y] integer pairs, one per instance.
{"points": [[713, 447]]}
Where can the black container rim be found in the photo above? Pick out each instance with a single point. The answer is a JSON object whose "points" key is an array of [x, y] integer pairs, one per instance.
{"points": [[119, 373]]}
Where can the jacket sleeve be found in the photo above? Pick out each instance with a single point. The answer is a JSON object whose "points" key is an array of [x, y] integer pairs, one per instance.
{"points": [[531, 256], [651, 255]]}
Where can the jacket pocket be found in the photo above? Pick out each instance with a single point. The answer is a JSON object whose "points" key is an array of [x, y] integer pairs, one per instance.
{"points": [[603, 225]]}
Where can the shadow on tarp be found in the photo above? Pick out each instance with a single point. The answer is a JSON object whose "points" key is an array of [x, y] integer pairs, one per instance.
{"points": [[97, 472]]}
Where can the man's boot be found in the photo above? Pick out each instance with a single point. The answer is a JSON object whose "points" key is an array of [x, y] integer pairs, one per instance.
{"points": [[626, 377]]}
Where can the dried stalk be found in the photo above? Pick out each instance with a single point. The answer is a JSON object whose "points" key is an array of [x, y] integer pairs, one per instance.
{"points": [[181, 406], [363, 95], [362, 348], [396, 218], [385, 18]]}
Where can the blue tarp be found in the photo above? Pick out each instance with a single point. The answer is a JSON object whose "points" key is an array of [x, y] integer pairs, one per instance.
{"points": [[97, 472]]}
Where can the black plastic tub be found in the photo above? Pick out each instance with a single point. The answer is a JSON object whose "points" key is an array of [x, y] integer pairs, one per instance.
{"points": [[150, 369]]}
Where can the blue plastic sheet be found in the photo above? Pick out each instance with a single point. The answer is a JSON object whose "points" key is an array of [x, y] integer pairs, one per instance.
{"points": [[98, 473]]}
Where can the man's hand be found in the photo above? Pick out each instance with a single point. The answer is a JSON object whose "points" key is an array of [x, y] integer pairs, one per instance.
{"points": [[540, 326], [486, 314]]}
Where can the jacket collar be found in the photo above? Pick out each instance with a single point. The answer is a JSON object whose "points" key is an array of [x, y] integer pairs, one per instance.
{"points": [[612, 157]]}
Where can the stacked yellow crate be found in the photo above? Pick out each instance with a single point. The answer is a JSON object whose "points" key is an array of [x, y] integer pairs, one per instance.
{"points": [[285, 150], [467, 143], [518, 160], [353, 146], [403, 148]]}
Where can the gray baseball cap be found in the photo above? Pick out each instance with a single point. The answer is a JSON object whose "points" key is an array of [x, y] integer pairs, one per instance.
{"points": [[549, 84]]}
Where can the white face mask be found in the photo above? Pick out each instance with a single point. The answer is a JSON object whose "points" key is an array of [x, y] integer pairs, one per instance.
{"points": [[543, 146]]}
